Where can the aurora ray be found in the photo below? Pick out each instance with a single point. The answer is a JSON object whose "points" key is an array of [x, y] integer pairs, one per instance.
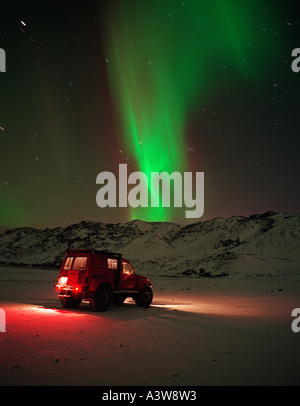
{"points": [[159, 55]]}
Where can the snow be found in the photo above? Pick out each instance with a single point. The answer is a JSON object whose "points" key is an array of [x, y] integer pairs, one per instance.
{"points": [[199, 331], [224, 291]]}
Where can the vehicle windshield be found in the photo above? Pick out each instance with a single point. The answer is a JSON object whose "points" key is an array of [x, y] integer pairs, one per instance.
{"points": [[127, 268]]}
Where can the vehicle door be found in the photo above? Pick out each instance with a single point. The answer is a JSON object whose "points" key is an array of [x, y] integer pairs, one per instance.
{"points": [[128, 278]]}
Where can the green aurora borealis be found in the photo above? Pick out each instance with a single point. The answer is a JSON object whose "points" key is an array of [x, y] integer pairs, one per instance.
{"points": [[191, 85], [157, 62]]}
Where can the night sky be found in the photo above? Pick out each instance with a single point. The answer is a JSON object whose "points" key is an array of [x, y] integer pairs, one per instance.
{"points": [[159, 85]]}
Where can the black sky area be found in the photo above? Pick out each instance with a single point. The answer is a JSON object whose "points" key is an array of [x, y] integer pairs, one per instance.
{"points": [[58, 120]]}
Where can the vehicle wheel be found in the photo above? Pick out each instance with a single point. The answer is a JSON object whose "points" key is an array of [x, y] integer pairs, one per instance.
{"points": [[119, 299], [102, 299], [71, 301], [144, 297]]}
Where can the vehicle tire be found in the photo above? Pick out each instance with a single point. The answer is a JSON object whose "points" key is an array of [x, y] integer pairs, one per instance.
{"points": [[71, 301], [144, 297], [102, 300], [119, 299]]}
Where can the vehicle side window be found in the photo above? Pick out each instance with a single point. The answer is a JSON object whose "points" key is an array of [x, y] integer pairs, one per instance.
{"points": [[127, 268], [112, 263], [79, 264], [68, 263]]}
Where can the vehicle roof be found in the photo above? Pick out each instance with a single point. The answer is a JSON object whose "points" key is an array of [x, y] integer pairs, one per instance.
{"points": [[92, 252]]}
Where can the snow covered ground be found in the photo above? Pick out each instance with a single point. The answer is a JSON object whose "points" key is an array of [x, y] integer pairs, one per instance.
{"points": [[231, 330], [224, 291]]}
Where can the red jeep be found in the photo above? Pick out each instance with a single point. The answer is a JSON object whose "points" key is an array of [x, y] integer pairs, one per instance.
{"points": [[100, 277]]}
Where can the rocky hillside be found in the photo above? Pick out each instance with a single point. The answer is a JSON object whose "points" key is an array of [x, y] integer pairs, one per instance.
{"points": [[262, 243]]}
